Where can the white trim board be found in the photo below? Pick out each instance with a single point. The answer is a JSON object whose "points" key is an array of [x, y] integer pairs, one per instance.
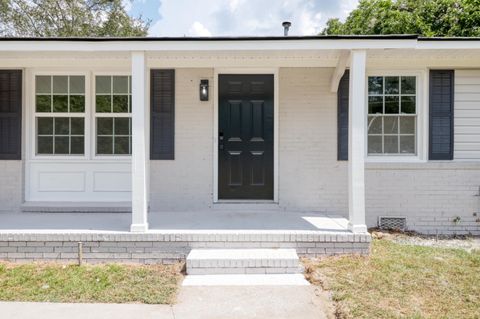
{"points": [[275, 73]]}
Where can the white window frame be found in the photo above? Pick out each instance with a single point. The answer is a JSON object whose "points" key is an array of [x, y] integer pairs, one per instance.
{"points": [[94, 115], [421, 138], [31, 109]]}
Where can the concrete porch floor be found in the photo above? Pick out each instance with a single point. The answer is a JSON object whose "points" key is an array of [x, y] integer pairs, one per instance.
{"points": [[173, 221]]}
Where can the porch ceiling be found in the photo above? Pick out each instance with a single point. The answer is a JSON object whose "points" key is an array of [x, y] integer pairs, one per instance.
{"points": [[241, 58]]}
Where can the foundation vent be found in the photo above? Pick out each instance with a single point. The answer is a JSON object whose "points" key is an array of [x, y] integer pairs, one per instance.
{"points": [[392, 223]]}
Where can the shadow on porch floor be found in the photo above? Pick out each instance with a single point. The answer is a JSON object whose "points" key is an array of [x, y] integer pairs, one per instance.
{"points": [[217, 220]]}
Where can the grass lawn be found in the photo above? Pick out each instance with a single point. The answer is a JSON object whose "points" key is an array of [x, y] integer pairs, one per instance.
{"points": [[111, 283], [402, 281]]}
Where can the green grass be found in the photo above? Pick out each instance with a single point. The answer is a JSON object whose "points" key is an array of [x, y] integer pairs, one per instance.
{"points": [[111, 283], [402, 281]]}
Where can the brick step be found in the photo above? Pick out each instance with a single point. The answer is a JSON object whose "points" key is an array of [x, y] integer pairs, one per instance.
{"points": [[242, 261]]}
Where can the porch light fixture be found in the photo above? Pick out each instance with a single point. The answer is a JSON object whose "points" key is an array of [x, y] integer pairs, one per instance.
{"points": [[203, 90]]}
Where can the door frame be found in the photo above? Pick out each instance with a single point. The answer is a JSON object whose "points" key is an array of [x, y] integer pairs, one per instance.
{"points": [[253, 71]]}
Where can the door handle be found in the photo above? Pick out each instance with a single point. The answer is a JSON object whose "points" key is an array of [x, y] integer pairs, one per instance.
{"points": [[220, 140]]}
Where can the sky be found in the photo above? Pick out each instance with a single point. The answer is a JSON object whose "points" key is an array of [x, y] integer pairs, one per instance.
{"points": [[237, 17]]}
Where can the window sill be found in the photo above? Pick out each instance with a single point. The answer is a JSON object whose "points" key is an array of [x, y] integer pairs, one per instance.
{"points": [[394, 159]]}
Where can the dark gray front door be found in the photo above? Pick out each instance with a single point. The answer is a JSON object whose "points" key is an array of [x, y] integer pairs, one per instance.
{"points": [[245, 141]]}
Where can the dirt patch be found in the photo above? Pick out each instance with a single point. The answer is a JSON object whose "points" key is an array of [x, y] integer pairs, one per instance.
{"points": [[467, 243]]}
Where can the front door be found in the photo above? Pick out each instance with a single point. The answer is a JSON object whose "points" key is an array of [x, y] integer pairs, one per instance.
{"points": [[245, 141]]}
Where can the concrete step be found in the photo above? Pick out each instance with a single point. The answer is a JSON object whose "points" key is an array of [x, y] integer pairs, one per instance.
{"points": [[242, 261]]}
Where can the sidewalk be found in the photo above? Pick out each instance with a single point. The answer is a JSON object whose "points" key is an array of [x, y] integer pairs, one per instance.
{"points": [[238, 302]]}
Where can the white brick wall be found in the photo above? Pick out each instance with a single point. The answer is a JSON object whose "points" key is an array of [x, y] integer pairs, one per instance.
{"points": [[431, 195], [310, 178], [186, 182], [11, 185]]}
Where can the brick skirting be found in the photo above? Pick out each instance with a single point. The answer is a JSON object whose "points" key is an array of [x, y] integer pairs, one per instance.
{"points": [[167, 248]]}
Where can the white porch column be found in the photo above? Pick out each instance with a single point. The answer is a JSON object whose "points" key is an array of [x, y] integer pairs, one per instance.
{"points": [[356, 142], [140, 143]]}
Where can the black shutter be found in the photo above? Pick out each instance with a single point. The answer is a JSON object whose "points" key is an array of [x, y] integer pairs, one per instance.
{"points": [[162, 126], [10, 114], [441, 115], [342, 117]]}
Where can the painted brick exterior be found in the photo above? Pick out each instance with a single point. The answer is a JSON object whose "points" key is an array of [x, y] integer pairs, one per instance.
{"points": [[11, 186], [168, 248], [310, 176], [431, 195], [186, 182]]}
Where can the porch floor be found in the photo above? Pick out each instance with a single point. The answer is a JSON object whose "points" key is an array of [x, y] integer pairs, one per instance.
{"points": [[26, 222]]}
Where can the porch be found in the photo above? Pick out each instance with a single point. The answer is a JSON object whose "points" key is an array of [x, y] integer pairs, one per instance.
{"points": [[105, 237]]}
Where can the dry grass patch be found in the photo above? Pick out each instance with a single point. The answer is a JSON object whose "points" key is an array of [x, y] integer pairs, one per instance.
{"points": [[402, 281], [110, 283]]}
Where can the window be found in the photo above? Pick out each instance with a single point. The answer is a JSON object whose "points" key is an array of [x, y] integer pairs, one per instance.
{"points": [[60, 114], [113, 120], [392, 115]]}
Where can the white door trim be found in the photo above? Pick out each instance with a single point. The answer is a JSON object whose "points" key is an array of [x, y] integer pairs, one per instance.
{"points": [[274, 72]]}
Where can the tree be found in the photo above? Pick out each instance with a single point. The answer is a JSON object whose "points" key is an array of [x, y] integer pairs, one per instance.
{"points": [[432, 18], [68, 18]]}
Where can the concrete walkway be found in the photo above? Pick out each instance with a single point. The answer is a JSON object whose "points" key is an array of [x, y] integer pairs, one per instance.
{"points": [[237, 302]]}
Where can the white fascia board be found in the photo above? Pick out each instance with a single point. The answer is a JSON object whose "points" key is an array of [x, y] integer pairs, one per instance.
{"points": [[205, 45], [449, 45]]}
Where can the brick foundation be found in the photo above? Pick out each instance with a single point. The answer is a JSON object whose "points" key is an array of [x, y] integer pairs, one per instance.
{"points": [[168, 248]]}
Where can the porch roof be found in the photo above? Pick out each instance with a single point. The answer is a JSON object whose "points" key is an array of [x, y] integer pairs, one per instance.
{"points": [[319, 42]]}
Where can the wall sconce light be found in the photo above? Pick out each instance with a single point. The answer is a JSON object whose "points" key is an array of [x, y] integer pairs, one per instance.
{"points": [[203, 90]]}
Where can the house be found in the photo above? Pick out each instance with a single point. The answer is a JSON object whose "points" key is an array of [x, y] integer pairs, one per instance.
{"points": [[299, 142]]}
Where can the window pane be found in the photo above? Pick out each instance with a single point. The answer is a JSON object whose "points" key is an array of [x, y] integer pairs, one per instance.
{"points": [[374, 125], [43, 84], [375, 105], [390, 125], [392, 85], [407, 125], [45, 145], [408, 104], [103, 103], [104, 126], [77, 103], [408, 84], [129, 103], [391, 144], [60, 84], [60, 103], [120, 84], [103, 84], [45, 126], [78, 124], [121, 145], [392, 105], [407, 144], [120, 103], [77, 145], [61, 145], [62, 126], [374, 144], [104, 145], [77, 85], [130, 84], [375, 85], [44, 103], [122, 126]]}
